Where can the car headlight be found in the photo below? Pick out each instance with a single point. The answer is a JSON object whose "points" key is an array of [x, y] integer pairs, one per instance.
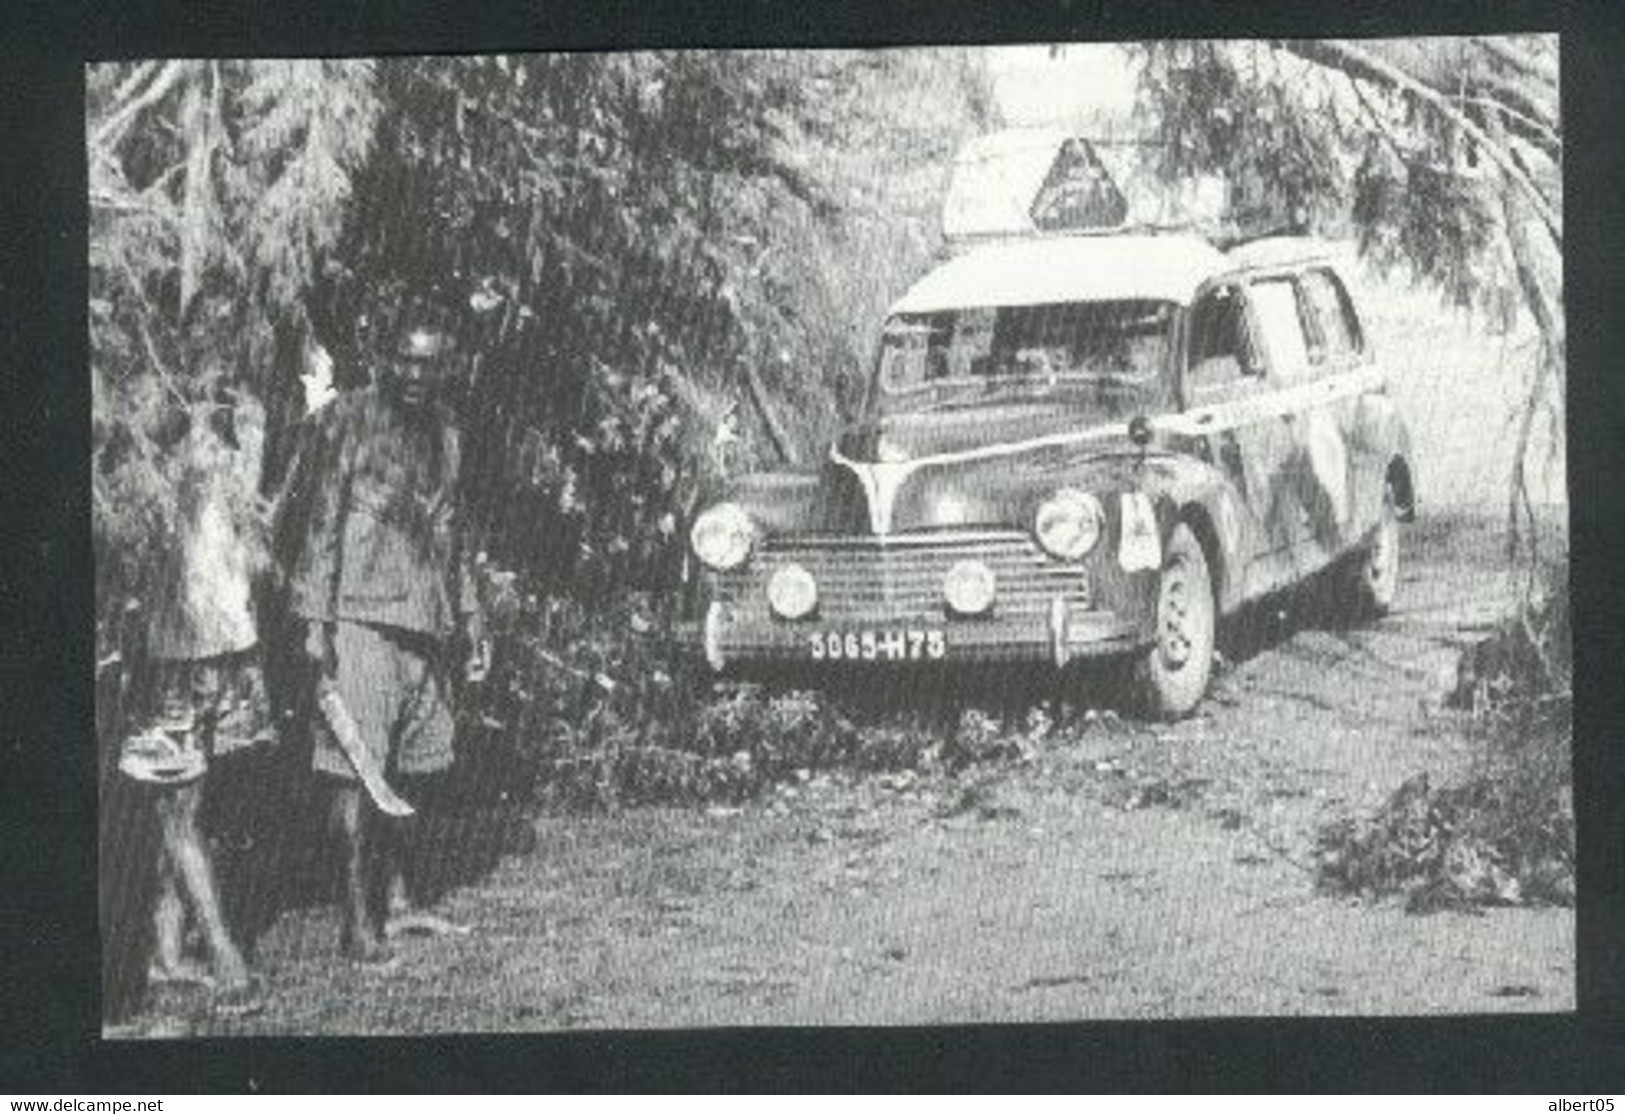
{"points": [[968, 587], [722, 536], [1069, 524], [792, 592]]}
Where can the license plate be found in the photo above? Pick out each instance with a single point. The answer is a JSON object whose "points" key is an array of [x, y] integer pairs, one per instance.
{"points": [[913, 644]]}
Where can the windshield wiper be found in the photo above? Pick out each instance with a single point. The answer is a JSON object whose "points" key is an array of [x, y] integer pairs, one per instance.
{"points": [[1032, 391]]}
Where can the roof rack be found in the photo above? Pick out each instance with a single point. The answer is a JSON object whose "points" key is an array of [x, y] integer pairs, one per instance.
{"points": [[959, 245], [1235, 237]]}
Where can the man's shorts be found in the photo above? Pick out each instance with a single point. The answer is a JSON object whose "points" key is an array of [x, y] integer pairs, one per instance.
{"points": [[205, 708], [391, 685]]}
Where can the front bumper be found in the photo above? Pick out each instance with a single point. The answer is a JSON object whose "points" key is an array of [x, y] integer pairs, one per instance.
{"points": [[728, 638]]}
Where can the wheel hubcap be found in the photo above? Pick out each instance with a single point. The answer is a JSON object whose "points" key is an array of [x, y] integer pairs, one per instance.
{"points": [[1177, 621]]}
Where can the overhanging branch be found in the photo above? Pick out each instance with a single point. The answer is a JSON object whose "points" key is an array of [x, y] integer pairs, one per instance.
{"points": [[1534, 131], [130, 84], [1361, 64], [1527, 63], [107, 133]]}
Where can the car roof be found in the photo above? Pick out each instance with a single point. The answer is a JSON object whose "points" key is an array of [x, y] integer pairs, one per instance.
{"points": [[1288, 251], [1075, 268]]}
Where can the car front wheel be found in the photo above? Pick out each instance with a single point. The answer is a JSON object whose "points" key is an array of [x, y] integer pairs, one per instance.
{"points": [[1172, 675]]}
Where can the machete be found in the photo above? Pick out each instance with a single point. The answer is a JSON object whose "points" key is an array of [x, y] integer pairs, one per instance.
{"points": [[343, 726]]}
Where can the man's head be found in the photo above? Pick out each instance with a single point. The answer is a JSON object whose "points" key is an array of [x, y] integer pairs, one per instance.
{"points": [[418, 364]]}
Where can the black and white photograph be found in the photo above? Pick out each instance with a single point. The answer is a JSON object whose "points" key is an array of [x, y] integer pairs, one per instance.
{"points": [[699, 539]]}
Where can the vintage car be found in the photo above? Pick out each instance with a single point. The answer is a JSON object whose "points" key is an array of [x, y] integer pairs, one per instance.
{"points": [[1076, 446]]}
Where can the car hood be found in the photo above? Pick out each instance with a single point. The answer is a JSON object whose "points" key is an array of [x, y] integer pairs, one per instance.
{"points": [[972, 430], [979, 469]]}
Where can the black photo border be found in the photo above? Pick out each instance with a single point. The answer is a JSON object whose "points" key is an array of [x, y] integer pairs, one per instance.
{"points": [[49, 1034]]}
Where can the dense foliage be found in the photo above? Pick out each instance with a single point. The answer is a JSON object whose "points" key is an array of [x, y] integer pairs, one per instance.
{"points": [[1441, 158], [619, 238], [666, 267], [213, 187], [1504, 833], [653, 261]]}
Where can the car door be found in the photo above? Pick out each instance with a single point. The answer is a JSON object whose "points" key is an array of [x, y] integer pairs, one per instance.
{"points": [[1347, 378], [1310, 493], [1227, 399]]}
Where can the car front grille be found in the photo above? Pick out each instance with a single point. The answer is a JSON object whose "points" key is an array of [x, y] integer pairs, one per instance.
{"points": [[866, 579]]}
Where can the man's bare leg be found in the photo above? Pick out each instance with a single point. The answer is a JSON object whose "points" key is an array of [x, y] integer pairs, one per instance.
{"points": [[189, 864], [169, 962], [361, 938], [168, 917], [406, 914]]}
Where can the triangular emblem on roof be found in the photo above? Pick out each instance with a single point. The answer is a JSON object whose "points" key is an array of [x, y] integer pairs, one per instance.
{"points": [[1078, 194], [1026, 181]]}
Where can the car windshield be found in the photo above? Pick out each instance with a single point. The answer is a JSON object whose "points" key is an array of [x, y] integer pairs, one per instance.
{"points": [[939, 360]]}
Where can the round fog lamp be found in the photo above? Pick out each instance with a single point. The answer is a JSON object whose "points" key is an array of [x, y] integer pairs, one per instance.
{"points": [[968, 587], [792, 592]]}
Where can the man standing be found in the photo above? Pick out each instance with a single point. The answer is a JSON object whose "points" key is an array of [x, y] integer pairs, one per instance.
{"points": [[202, 643], [380, 581]]}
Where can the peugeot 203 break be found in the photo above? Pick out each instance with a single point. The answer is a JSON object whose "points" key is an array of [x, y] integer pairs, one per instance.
{"points": [[1077, 446]]}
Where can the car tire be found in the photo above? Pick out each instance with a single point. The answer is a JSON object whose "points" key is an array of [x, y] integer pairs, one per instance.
{"points": [[1171, 676], [1371, 580]]}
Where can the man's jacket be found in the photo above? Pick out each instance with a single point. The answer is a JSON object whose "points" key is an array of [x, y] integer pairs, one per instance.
{"points": [[372, 505]]}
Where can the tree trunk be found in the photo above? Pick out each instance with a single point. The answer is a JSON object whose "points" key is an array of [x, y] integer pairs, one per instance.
{"points": [[198, 135]]}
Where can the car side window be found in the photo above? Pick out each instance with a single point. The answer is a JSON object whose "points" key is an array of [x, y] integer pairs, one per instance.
{"points": [[1220, 345], [1336, 328], [1279, 313]]}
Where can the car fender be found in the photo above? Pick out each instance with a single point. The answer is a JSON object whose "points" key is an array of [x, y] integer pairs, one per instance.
{"points": [[1378, 440], [1189, 490], [1161, 489]]}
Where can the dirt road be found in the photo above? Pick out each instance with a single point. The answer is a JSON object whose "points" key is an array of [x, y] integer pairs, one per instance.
{"points": [[1121, 871]]}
